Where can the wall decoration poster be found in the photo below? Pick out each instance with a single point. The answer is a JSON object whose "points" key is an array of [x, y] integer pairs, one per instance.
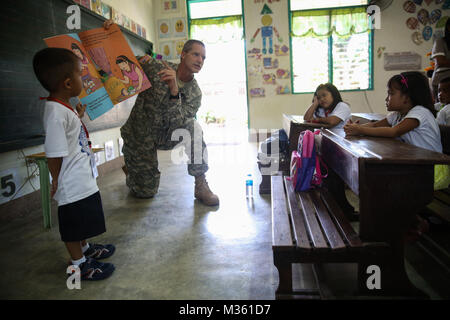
{"points": [[106, 11], [96, 6], [170, 6], [99, 159], [283, 90], [179, 27], [120, 144], [144, 33], [116, 17], [109, 150], [164, 28], [133, 26], [281, 50], [166, 50], [126, 22], [178, 48], [84, 3], [257, 92], [139, 29]]}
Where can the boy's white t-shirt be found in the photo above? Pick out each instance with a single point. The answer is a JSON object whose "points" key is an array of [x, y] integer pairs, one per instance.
{"points": [[66, 138], [342, 111], [443, 116], [426, 135]]}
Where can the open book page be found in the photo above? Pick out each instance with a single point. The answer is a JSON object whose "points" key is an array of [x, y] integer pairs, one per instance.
{"points": [[93, 93], [121, 73]]}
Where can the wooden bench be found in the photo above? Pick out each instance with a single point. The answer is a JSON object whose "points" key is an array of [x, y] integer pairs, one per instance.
{"points": [[393, 180], [312, 229]]}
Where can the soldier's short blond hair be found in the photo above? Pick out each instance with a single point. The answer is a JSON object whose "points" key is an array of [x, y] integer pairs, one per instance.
{"points": [[190, 43]]}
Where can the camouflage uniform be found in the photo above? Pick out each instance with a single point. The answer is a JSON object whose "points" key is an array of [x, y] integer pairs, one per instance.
{"points": [[152, 120]]}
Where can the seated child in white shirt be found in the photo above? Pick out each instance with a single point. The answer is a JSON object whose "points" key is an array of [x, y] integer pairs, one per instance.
{"points": [[443, 106]]}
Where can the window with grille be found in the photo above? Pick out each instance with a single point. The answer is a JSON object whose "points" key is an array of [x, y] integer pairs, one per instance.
{"points": [[331, 45]]}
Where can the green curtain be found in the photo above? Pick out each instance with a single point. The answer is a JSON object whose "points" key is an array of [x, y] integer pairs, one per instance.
{"points": [[323, 23], [216, 30]]}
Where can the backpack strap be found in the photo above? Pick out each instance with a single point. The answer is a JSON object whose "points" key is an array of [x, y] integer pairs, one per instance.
{"points": [[318, 176]]}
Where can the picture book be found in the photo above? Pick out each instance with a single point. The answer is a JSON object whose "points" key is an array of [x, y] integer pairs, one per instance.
{"points": [[111, 72]]}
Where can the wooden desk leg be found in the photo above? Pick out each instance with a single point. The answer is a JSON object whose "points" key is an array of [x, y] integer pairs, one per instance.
{"points": [[284, 268], [390, 196], [45, 192]]}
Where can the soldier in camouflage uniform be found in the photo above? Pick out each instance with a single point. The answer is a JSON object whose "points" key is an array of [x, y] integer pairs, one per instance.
{"points": [[171, 103]]}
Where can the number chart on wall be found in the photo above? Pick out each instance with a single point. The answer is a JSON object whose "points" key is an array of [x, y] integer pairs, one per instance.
{"points": [[9, 183]]}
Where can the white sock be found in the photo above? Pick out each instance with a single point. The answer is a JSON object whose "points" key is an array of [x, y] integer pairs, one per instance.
{"points": [[78, 262], [85, 247]]}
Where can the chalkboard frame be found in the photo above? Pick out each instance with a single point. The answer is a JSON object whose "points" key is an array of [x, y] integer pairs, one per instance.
{"points": [[36, 136]]}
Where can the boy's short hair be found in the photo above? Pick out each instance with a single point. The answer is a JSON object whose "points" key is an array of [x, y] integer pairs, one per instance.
{"points": [[445, 80], [54, 65]]}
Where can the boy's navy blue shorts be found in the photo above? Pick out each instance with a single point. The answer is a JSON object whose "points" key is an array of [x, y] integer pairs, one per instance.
{"points": [[82, 219]]}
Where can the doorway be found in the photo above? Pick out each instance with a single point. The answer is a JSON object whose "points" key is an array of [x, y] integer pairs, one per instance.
{"points": [[223, 114]]}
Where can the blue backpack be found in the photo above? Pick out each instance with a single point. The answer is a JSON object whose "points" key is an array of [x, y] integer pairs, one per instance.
{"points": [[305, 163]]}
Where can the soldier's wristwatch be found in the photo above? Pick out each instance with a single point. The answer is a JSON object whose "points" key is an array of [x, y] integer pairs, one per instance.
{"points": [[177, 96]]}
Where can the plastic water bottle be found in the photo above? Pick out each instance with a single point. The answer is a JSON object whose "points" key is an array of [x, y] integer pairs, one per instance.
{"points": [[249, 186]]}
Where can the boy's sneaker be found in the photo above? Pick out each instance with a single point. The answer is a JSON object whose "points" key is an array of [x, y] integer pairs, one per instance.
{"points": [[93, 270], [99, 251]]}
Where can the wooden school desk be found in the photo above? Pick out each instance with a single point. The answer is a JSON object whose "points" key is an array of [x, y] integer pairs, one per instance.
{"points": [[44, 179], [393, 180], [294, 124]]}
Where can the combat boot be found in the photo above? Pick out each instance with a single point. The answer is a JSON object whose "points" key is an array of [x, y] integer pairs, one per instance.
{"points": [[203, 193]]}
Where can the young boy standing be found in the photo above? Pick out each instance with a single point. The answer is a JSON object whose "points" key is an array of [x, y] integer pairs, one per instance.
{"points": [[71, 164]]}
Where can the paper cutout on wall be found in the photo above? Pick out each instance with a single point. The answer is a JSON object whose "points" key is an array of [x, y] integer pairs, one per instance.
{"points": [[409, 6], [269, 78], [96, 6], [126, 22], [417, 38], [169, 6], [166, 50], [283, 74], [116, 16], [268, 63], [281, 50], [254, 53], [106, 11], [109, 150], [412, 23], [267, 31], [164, 28], [178, 48], [179, 27], [380, 51], [255, 70], [283, 90], [139, 29], [427, 33], [435, 15], [257, 93], [423, 16]]}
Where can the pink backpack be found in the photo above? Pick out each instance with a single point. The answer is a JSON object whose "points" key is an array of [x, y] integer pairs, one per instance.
{"points": [[305, 163]]}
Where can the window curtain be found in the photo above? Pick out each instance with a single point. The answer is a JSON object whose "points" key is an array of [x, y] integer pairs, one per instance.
{"points": [[324, 23], [216, 30]]}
